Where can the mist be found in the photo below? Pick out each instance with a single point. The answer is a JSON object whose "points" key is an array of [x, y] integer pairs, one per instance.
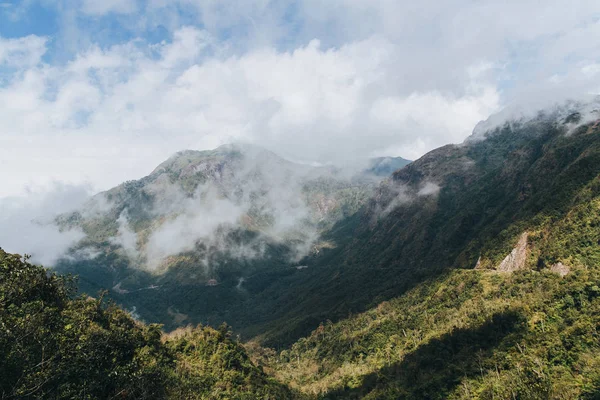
{"points": [[558, 107], [27, 223], [231, 203], [260, 193]]}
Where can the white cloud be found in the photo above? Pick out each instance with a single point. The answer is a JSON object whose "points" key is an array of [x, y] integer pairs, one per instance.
{"points": [[100, 7], [126, 237], [26, 222], [311, 104], [22, 52], [314, 82], [429, 189], [446, 119], [196, 223]]}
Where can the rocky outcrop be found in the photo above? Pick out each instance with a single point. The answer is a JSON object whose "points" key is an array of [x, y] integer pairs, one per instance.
{"points": [[560, 269], [516, 259]]}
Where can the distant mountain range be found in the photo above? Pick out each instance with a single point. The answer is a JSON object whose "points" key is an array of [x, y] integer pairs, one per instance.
{"points": [[385, 166]]}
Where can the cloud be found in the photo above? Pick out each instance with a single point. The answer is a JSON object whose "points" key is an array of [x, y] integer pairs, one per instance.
{"points": [[120, 85], [429, 189], [199, 219], [311, 104], [26, 223], [392, 194], [22, 52], [95, 7], [126, 237], [314, 82]]}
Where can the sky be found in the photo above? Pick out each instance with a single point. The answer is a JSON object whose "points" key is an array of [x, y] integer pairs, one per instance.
{"points": [[94, 93]]}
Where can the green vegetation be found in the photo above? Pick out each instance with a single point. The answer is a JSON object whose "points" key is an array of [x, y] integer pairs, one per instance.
{"points": [[54, 345], [468, 334], [530, 334], [211, 365]]}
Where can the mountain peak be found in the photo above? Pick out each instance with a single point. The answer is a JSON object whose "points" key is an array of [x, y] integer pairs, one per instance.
{"points": [[572, 113], [242, 147], [229, 151]]}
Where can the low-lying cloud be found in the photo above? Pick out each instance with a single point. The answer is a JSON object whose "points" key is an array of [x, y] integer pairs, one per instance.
{"points": [[126, 238], [199, 218], [27, 223], [258, 192]]}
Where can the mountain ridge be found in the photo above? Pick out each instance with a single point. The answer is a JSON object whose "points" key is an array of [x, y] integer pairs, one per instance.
{"points": [[490, 192]]}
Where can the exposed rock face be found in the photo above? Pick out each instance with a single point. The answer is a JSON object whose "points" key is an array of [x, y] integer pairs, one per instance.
{"points": [[516, 259], [560, 269]]}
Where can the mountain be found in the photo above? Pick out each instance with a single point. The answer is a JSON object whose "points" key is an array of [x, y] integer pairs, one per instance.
{"points": [[385, 166], [457, 207], [472, 272], [478, 266], [208, 229]]}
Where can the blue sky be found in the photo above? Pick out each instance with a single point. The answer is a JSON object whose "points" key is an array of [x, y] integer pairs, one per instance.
{"points": [[97, 92], [39, 20]]}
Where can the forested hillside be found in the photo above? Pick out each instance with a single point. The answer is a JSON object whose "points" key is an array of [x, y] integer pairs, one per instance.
{"points": [[511, 313], [54, 344], [458, 207], [530, 334]]}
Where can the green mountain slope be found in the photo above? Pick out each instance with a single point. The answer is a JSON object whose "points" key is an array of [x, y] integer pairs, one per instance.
{"points": [[455, 206], [478, 333], [509, 310]]}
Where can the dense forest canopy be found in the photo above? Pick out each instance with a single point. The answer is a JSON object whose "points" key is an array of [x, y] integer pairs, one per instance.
{"points": [[54, 344]]}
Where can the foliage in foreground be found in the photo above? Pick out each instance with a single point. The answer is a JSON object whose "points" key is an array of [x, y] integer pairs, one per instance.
{"points": [[55, 346]]}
